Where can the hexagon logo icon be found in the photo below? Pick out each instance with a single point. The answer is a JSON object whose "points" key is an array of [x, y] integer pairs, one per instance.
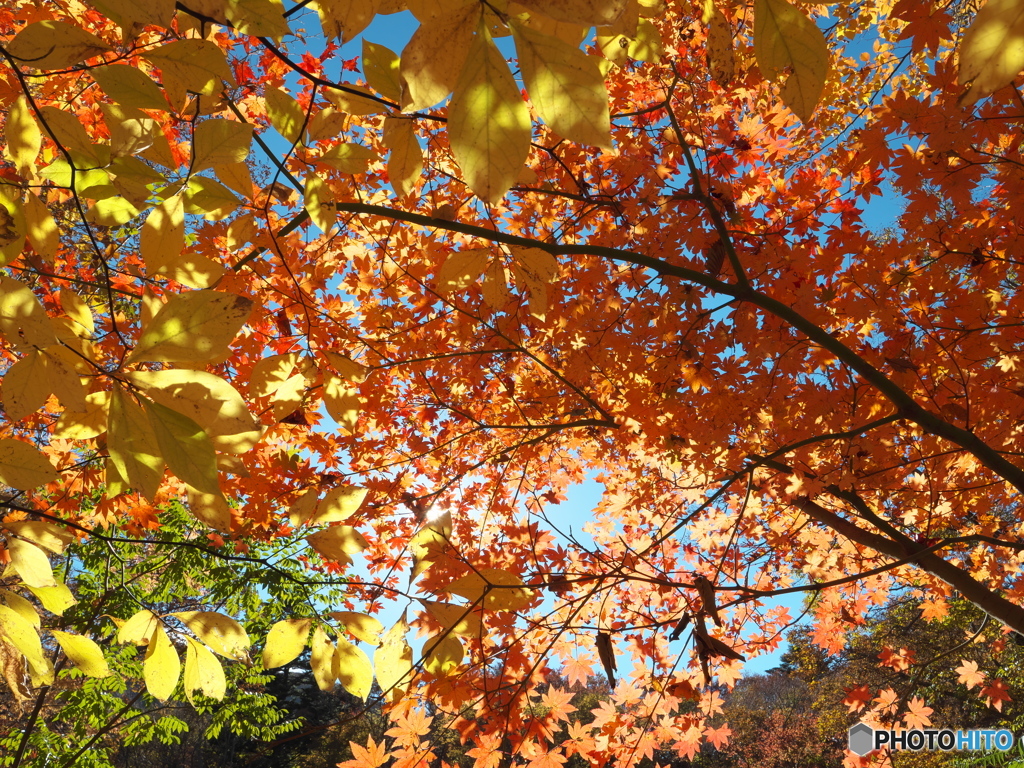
{"points": [[861, 739]]}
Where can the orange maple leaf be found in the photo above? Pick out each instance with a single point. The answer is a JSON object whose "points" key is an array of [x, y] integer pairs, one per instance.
{"points": [[918, 716], [857, 698], [719, 737], [969, 674], [370, 756], [995, 693]]}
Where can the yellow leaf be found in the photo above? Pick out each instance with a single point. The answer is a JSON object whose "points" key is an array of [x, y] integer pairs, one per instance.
{"points": [[54, 599], [455, 618], [222, 633], [23, 321], [23, 136], [353, 668], [129, 87], [425, 10], [992, 51], [258, 18], [321, 656], [495, 285], [342, 402], [242, 230], [211, 509], [208, 400], [565, 85], [442, 655], [270, 374], [586, 12], [318, 201], [31, 563], [363, 627], [192, 327], [22, 466], [138, 629], [26, 386], [40, 228], [23, 636], [196, 66], [69, 131], [132, 131], [720, 54], [74, 307], [785, 40], [236, 177], [393, 661], [430, 543], [83, 426], [380, 66], [338, 505], [461, 269], [345, 18], [111, 212], [405, 163], [346, 366], [327, 124], [54, 45], [348, 158], [133, 447], [338, 542], [83, 653], [21, 606], [43, 534], [131, 13], [285, 113], [161, 667], [488, 122], [202, 672], [184, 446], [434, 57], [62, 377], [209, 199], [646, 45], [495, 589], [538, 266], [353, 100], [285, 642], [217, 141]]}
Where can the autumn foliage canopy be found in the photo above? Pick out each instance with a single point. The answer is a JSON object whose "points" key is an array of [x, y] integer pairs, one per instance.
{"points": [[754, 266]]}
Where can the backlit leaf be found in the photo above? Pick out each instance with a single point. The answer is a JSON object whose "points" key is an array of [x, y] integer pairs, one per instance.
{"points": [[992, 50], [129, 87], [22, 466], [219, 141], [196, 66], [565, 85], [203, 672], [184, 446], [461, 269], [83, 653], [222, 633], [353, 668], [31, 563], [133, 446], [192, 326], [161, 666], [285, 642], [495, 589], [54, 45], [321, 658], [785, 40], [488, 122], [392, 661], [363, 627]]}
